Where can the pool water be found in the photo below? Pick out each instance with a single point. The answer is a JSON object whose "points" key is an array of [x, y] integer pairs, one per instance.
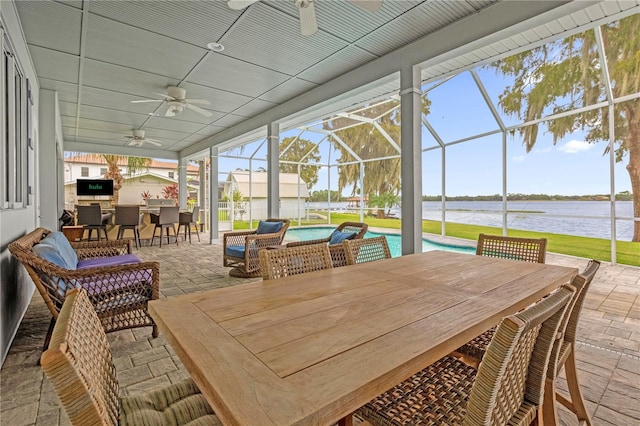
{"points": [[394, 241]]}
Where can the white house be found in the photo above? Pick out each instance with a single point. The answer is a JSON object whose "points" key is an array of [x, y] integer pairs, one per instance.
{"points": [[253, 187]]}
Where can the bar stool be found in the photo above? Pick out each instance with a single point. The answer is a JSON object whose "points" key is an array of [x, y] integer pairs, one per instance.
{"points": [[188, 220], [128, 217], [91, 218], [166, 220]]}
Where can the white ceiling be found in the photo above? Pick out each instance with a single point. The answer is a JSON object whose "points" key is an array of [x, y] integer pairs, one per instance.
{"points": [[101, 55]]}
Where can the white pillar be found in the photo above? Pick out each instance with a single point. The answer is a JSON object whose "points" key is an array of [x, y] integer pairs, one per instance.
{"points": [[213, 195], [182, 183], [273, 170], [411, 160]]}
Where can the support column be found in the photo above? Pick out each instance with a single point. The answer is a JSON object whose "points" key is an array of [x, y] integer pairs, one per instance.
{"points": [[411, 160], [182, 183], [273, 168], [202, 176], [213, 195]]}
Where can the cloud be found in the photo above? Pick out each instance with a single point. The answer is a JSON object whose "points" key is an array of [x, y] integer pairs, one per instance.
{"points": [[575, 146], [518, 159], [542, 150]]}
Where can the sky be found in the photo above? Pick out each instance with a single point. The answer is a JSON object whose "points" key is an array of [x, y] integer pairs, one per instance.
{"points": [[570, 167]]}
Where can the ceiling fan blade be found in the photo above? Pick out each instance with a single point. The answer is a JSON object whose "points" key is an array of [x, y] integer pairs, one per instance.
{"points": [[240, 4], [198, 101], [368, 5], [142, 101], [153, 142], [199, 110], [308, 23]]}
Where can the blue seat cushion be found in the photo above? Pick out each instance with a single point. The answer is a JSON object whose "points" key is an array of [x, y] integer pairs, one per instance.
{"points": [[56, 249], [124, 259], [268, 227], [235, 251], [337, 237]]}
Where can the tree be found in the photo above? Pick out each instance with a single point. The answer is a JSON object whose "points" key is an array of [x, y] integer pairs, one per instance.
{"points": [[566, 75], [297, 149], [384, 202], [367, 143]]}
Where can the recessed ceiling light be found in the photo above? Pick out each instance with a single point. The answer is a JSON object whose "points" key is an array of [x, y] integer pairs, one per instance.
{"points": [[215, 47]]}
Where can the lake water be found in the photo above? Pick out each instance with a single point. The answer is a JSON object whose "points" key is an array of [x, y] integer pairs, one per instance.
{"points": [[542, 216]]}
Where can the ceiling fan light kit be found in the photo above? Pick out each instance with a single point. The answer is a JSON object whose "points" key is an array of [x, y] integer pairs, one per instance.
{"points": [[176, 101]]}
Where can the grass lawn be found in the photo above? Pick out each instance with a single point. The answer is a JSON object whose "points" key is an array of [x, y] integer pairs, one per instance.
{"points": [[628, 253]]}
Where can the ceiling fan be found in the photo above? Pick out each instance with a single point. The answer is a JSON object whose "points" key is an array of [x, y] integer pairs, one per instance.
{"points": [[138, 139], [176, 101], [306, 9]]}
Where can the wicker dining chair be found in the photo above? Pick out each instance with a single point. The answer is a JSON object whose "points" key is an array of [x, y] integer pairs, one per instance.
{"points": [[90, 217], [79, 365], [366, 250], [282, 262], [566, 357], [166, 220], [506, 389], [525, 249], [338, 256], [189, 220], [128, 217]]}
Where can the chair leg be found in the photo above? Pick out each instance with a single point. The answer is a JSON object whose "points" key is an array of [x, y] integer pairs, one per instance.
{"points": [[197, 233], [47, 338], [576, 404], [549, 414]]}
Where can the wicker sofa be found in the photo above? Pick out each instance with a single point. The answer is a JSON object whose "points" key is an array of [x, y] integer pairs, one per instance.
{"points": [[338, 255], [118, 283]]}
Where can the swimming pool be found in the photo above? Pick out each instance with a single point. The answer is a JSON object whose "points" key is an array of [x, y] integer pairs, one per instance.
{"points": [[394, 241]]}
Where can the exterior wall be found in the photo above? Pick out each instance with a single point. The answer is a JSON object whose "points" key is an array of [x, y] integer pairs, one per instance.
{"points": [[16, 288], [258, 207], [130, 193], [73, 171]]}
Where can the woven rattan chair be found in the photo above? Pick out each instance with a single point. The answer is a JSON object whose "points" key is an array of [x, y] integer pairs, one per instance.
{"points": [[241, 248], [525, 249], [282, 262], [566, 357], [80, 367], [507, 389], [128, 217], [91, 218], [366, 250], [165, 221], [338, 255], [189, 220], [119, 293]]}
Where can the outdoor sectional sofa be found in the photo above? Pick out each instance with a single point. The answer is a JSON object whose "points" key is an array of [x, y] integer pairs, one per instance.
{"points": [[118, 283]]}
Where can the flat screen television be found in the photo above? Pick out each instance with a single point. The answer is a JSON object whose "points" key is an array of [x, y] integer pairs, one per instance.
{"points": [[94, 187]]}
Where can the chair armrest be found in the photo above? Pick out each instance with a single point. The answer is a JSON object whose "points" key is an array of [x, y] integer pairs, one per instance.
{"points": [[108, 248], [259, 241], [236, 238], [308, 242]]}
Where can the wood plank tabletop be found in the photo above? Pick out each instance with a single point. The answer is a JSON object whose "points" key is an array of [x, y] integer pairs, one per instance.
{"points": [[310, 349]]}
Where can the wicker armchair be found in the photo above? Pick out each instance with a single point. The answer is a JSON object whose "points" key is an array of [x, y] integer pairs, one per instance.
{"points": [[80, 367], [507, 389], [119, 293], [294, 260], [366, 250], [241, 248], [338, 255]]}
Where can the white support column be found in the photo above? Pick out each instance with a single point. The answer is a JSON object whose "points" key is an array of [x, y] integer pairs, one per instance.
{"points": [[273, 168], [182, 183], [213, 195], [202, 175], [411, 160]]}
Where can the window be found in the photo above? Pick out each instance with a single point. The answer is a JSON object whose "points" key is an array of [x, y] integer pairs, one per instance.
{"points": [[171, 175], [84, 171], [103, 171], [14, 170]]}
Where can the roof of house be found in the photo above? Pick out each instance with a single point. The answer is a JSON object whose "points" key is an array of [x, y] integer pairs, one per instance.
{"points": [[290, 185], [156, 164]]}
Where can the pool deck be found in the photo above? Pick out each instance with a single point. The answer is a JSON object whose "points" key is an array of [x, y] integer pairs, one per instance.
{"points": [[608, 349]]}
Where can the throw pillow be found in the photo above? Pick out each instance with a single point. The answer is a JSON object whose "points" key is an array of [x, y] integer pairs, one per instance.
{"points": [[268, 227], [58, 240], [337, 237], [50, 254]]}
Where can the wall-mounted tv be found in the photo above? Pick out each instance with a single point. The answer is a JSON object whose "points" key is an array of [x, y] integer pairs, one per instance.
{"points": [[94, 187]]}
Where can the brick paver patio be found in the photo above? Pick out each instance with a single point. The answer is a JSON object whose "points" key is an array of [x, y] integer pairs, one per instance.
{"points": [[608, 351]]}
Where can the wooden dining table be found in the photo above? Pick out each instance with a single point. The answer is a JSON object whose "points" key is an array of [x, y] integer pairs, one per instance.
{"points": [[312, 348]]}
